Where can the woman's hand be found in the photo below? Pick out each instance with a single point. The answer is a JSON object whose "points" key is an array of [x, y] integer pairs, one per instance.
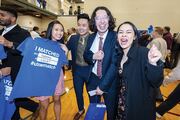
{"points": [[63, 46], [154, 55]]}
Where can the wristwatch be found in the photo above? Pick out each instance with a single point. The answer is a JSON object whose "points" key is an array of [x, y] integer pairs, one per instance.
{"points": [[13, 47]]}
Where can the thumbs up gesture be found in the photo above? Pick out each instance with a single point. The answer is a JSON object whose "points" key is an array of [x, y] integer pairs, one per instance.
{"points": [[154, 55]]}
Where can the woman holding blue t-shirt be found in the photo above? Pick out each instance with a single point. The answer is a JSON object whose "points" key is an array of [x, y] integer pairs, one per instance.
{"points": [[55, 32]]}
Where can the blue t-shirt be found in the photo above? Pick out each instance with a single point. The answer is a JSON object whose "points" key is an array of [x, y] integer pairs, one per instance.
{"points": [[40, 68], [2, 53], [7, 107]]}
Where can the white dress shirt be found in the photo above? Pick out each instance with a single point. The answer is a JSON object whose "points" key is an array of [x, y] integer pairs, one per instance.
{"points": [[95, 48], [34, 34], [7, 29]]}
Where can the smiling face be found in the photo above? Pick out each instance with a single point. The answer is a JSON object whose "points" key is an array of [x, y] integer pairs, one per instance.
{"points": [[102, 21], [5, 18], [126, 36], [83, 26], [57, 32]]}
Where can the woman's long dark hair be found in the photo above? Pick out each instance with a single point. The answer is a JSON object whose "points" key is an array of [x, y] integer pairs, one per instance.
{"points": [[111, 19], [50, 27]]}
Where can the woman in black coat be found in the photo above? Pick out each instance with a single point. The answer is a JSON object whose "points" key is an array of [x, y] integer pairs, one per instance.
{"points": [[140, 72]]}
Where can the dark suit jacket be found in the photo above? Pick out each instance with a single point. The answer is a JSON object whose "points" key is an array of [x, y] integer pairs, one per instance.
{"points": [[72, 45], [13, 60], [107, 80]]}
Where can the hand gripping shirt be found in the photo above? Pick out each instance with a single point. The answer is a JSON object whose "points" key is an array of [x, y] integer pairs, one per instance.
{"points": [[2, 53], [7, 107]]}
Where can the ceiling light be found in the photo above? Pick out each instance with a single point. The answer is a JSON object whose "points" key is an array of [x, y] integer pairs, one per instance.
{"points": [[37, 15]]}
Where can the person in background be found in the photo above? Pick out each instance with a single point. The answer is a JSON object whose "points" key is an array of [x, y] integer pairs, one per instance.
{"points": [[140, 71], [80, 69], [144, 39], [159, 42], [43, 34], [11, 36], [55, 32], [176, 48], [161, 45], [167, 36], [35, 32], [174, 98], [98, 54], [70, 32], [70, 10]]}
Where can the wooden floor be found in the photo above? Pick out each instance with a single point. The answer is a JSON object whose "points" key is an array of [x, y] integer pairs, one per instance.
{"points": [[69, 106]]}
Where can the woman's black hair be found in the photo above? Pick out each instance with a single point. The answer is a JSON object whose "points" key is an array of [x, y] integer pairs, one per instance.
{"points": [[134, 29], [111, 19], [50, 27]]}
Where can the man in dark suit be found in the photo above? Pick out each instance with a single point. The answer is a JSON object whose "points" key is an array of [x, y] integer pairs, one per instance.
{"points": [[11, 36], [98, 54], [80, 68]]}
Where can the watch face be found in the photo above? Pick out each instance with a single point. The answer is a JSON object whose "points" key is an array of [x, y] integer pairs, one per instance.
{"points": [[13, 47]]}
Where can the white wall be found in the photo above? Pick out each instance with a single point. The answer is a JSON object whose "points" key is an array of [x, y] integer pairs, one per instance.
{"points": [[53, 6], [141, 12], [29, 22], [44, 23], [68, 21]]}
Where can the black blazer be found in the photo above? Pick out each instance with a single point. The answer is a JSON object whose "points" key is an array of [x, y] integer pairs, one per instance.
{"points": [[141, 79], [108, 68], [13, 60]]}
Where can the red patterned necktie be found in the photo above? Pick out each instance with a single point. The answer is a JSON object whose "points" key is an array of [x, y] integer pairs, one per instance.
{"points": [[99, 62]]}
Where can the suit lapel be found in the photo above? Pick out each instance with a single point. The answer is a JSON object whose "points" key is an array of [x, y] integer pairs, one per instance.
{"points": [[107, 42], [91, 40], [76, 41], [13, 31]]}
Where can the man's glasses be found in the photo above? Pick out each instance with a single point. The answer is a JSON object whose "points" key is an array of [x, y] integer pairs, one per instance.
{"points": [[102, 18]]}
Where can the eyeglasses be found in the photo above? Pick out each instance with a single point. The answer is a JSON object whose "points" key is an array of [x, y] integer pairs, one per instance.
{"points": [[102, 18]]}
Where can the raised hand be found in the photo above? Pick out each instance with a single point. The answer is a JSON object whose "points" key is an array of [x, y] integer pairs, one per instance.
{"points": [[64, 48], [154, 55], [98, 55]]}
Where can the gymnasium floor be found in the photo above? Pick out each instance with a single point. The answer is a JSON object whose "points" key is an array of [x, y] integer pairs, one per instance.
{"points": [[69, 107]]}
